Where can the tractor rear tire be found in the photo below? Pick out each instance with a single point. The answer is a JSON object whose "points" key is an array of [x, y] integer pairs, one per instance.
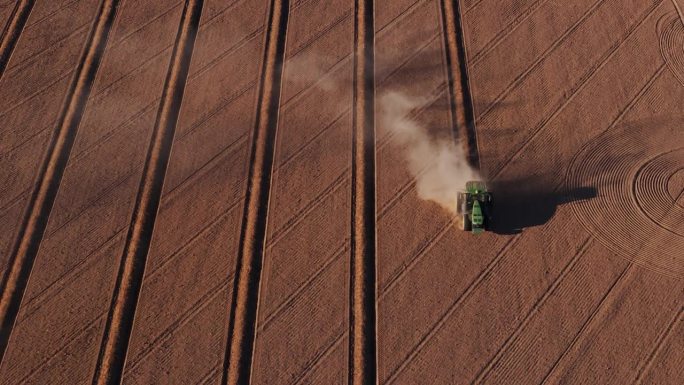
{"points": [[467, 224]]}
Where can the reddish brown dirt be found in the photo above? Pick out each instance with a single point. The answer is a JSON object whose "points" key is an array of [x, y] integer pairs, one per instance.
{"points": [[578, 112]]}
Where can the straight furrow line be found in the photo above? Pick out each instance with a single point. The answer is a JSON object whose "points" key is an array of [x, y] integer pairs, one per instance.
{"points": [[454, 306], [50, 14], [12, 31], [587, 324], [320, 357], [578, 88], [210, 376], [243, 315], [186, 244], [398, 274], [33, 305], [101, 195], [182, 320], [362, 305], [112, 357], [664, 336], [70, 339], [530, 315], [120, 232], [28, 61], [307, 43], [16, 199], [102, 92], [340, 251], [506, 31], [472, 6], [460, 99], [301, 214], [27, 241], [521, 77]]}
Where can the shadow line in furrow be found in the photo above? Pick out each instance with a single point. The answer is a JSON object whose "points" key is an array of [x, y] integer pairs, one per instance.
{"points": [[30, 235], [12, 31], [362, 311], [460, 101], [112, 356], [237, 365]]}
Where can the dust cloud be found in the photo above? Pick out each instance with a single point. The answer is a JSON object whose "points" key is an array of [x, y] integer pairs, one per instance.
{"points": [[439, 166]]}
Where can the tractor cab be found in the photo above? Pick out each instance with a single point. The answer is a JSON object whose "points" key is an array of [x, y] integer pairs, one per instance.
{"points": [[474, 207]]}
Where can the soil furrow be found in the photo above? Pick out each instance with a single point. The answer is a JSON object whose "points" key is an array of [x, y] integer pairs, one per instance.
{"points": [[504, 32], [526, 73], [454, 306], [243, 316], [590, 320], [482, 375], [362, 312], [576, 90], [27, 243], [660, 343], [460, 100], [111, 360], [12, 31]]}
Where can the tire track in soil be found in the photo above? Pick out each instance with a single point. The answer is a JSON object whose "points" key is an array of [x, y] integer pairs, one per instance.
{"points": [[605, 300], [39, 299], [147, 108], [671, 37], [111, 359], [12, 31], [385, 289], [621, 279], [482, 375], [627, 272], [176, 252], [103, 91], [576, 90], [460, 101], [505, 32], [394, 375], [521, 77], [27, 242], [362, 311], [658, 347], [243, 316], [76, 157], [452, 308]]}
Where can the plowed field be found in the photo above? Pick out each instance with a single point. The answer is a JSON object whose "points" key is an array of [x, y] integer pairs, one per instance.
{"points": [[205, 192]]}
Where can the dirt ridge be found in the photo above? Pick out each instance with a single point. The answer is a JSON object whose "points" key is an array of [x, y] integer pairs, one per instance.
{"points": [[35, 220], [112, 357], [243, 317]]}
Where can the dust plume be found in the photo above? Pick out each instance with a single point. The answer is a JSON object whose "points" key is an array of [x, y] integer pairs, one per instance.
{"points": [[439, 166]]}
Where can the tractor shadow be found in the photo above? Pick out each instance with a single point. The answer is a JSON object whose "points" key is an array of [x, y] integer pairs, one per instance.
{"points": [[516, 207]]}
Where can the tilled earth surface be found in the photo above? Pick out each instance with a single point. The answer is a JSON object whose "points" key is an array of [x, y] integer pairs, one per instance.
{"points": [[579, 116]]}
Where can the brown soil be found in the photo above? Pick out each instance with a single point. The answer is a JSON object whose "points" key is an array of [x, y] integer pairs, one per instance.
{"points": [[577, 109]]}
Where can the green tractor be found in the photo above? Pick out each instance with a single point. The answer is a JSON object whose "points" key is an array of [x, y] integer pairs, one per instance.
{"points": [[474, 207]]}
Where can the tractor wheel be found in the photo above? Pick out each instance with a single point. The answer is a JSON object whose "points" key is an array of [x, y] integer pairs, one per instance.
{"points": [[467, 225], [459, 202]]}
